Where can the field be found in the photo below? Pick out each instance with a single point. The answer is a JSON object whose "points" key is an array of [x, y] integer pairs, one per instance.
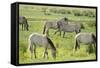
{"points": [[38, 15]]}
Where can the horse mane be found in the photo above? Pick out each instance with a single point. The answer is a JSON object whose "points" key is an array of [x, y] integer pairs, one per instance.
{"points": [[51, 43], [44, 28]]}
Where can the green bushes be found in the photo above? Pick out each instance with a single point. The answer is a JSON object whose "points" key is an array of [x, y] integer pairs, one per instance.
{"points": [[74, 12], [58, 11], [88, 13]]}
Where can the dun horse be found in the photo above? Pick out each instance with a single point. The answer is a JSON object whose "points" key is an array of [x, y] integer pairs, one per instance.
{"points": [[69, 27], [36, 39], [85, 38], [23, 22], [53, 25]]}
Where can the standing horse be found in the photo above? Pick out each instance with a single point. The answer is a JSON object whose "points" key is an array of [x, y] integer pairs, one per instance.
{"points": [[85, 38], [23, 22], [36, 39], [53, 25], [69, 27]]}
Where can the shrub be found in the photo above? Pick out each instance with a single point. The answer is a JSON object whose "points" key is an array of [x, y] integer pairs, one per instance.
{"points": [[68, 11], [91, 24], [77, 13]]}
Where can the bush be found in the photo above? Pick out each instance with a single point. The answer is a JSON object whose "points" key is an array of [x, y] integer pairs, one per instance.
{"points": [[77, 13], [89, 13], [68, 11], [61, 11], [91, 24]]}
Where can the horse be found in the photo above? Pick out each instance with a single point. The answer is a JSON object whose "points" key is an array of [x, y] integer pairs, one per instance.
{"points": [[36, 39], [85, 38], [23, 22], [53, 25], [76, 27]]}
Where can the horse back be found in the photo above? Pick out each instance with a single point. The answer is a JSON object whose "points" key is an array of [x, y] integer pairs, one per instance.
{"points": [[85, 38], [38, 39]]}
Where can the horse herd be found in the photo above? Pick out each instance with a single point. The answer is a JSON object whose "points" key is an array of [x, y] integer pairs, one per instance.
{"points": [[62, 25]]}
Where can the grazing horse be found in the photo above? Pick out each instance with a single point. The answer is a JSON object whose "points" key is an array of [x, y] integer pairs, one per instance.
{"points": [[36, 39], [69, 27], [53, 25], [23, 22], [85, 38]]}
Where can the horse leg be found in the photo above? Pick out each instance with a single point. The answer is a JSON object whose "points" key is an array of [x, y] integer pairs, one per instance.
{"points": [[46, 52], [90, 48], [31, 50], [79, 30], [56, 32], [34, 51], [27, 27], [76, 45], [60, 33], [63, 34], [22, 27], [94, 47], [48, 32], [26, 24]]}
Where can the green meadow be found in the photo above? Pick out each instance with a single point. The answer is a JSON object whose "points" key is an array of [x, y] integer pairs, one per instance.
{"points": [[38, 15]]}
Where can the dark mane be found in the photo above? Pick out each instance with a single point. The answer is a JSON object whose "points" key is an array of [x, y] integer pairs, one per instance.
{"points": [[51, 43]]}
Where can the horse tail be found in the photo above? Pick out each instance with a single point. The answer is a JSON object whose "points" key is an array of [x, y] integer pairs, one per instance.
{"points": [[27, 26], [27, 22], [30, 47], [44, 28], [76, 44], [58, 25]]}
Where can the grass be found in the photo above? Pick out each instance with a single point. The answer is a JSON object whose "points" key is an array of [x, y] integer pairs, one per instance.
{"points": [[36, 20]]}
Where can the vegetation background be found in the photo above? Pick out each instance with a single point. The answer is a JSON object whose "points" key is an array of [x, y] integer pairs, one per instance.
{"points": [[38, 15]]}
